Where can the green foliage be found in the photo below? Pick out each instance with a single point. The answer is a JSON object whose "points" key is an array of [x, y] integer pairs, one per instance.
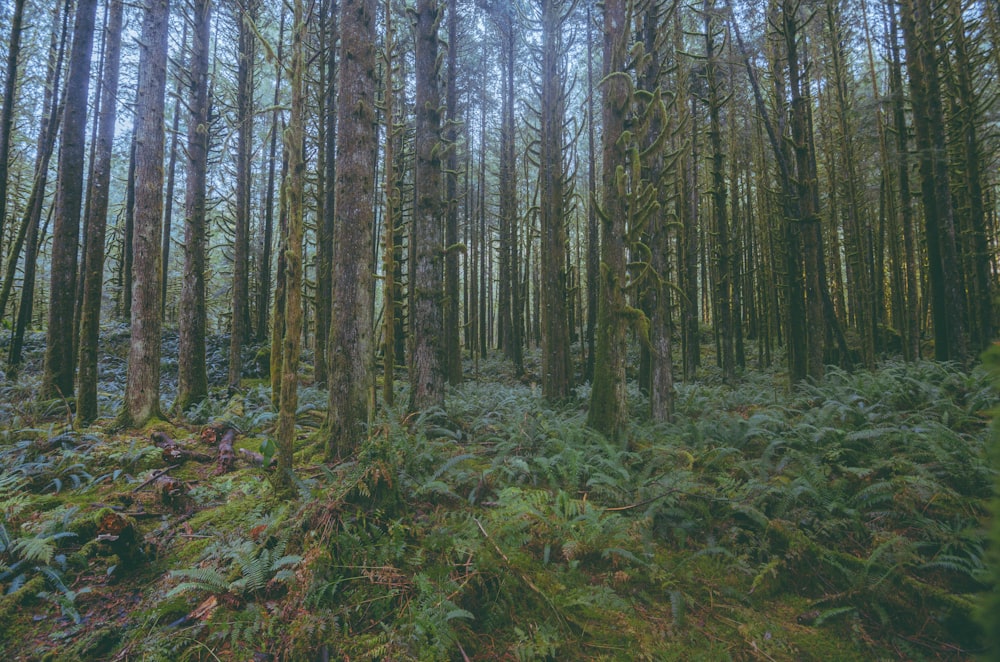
{"points": [[844, 520]]}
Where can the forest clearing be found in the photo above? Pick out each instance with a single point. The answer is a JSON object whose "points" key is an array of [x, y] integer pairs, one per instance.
{"points": [[499, 329]]}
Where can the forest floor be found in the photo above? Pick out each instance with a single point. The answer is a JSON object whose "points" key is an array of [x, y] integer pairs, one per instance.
{"points": [[842, 521]]}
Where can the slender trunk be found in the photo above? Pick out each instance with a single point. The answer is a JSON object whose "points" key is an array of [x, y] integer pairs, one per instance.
{"points": [[7, 114], [608, 412], [192, 383], [427, 365], [142, 389], [947, 297], [392, 203], [593, 227], [58, 376], [244, 146], [452, 354], [556, 367], [294, 192], [96, 224], [264, 286]]}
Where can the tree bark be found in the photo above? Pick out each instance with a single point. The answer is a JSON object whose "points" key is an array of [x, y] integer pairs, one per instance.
{"points": [[452, 354], [7, 114], [947, 296], [192, 382], [58, 376], [142, 387], [350, 338], [244, 145], [96, 223], [556, 366], [426, 359], [294, 192], [608, 412]]}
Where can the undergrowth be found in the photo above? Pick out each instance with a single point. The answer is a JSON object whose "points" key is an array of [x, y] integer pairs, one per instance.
{"points": [[845, 520]]}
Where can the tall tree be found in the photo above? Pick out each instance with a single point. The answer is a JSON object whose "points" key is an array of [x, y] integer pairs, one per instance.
{"points": [[28, 230], [966, 117], [911, 319], [426, 357], [57, 379], [326, 155], [350, 335], [947, 297], [294, 192], [556, 366], [392, 213], [264, 284], [247, 15], [608, 412], [509, 310], [142, 384], [452, 354], [96, 222], [192, 372], [7, 113], [593, 227], [722, 272]]}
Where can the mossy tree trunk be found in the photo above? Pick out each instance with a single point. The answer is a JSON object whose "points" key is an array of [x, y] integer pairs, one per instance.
{"points": [[294, 194], [452, 354], [192, 378], [722, 269], [239, 322], [426, 359], [325, 196], [59, 369], [350, 338], [608, 412], [28, 232], [142, 384], [96, 223], [392, 215], [556, 365], [7, 114]]}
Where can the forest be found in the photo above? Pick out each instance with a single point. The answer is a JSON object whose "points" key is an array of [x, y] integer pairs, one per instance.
{"points": [[499, 330]]}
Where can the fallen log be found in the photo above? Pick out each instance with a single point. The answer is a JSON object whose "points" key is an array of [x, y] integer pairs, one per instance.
{"points": [[254, 458], [224, 435], [174, 452]]}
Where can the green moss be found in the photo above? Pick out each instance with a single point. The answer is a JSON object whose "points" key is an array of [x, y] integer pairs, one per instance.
{"points": [[20, 598]]}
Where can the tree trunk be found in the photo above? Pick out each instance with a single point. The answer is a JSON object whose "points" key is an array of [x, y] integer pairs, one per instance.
{"points": [[326, 199], [142, 387], [192, 382], [294, 192], [556, 366], [593, 227], [392, 216], [168, 201], [96, 223], [947, 296], [57, 380], [911, 322], [244, 147], [264, 284], [47, 131], [723, 257], [350, 338], [7, 114], [426, 360], [452, 354], [608, 412]]}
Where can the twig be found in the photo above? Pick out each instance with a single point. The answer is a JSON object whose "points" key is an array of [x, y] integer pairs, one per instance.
{"points": [[156, 474]]}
